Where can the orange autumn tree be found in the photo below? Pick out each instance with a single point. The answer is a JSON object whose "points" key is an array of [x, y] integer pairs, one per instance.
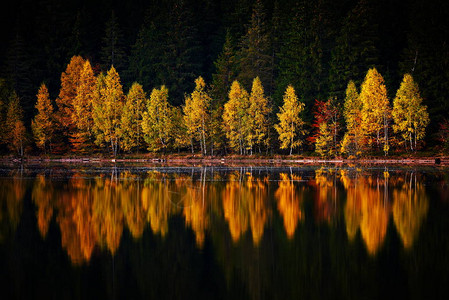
{"points": [[43, 123], [82, 109], [15, 132], [70, 80]]}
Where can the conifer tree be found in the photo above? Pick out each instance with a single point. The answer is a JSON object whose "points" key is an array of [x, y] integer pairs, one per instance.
{"points": [[324, 140], [82, 115], [235, 117], [258, 117], [197, 114], [112, 52], [224, 75], [107, 110], [43, 124], [353, 139], [131, 120], [409, 115], [157, 122], [355, 49], [15, 134], [376, 110], [70, 80], [255, 58], [290, 126]]}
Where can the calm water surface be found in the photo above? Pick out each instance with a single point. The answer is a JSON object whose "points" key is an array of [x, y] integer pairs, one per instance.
{"points": [[127, 232]]}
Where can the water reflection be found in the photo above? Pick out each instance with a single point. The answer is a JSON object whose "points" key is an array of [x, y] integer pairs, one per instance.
{"points": [[93, 211]]}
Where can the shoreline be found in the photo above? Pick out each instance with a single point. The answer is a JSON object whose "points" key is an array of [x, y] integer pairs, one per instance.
{"points": [[179, 160]]}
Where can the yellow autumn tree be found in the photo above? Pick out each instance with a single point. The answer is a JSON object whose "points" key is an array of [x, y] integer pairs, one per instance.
{"points": [[157, 122], [196, 113], [324, 141], [290, 126], [82, 116], [107, 110], [131, 121], [258, 117], [43, 124], [235, 121], [15, 132], [376, 109], [353, 139], [410, 116], [69, 82]]}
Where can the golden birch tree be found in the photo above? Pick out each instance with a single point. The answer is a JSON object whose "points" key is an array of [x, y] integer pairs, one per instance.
{"points": [[43, 124], [107, 109], [131, 121], [376, 109], [196, 112], [409, 115], [258, 117], [157, 122], [235, 121], [290, 126], [353, 139]]}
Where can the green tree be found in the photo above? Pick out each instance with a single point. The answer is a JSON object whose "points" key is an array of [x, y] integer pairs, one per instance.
{"points": [[258, 117], [290, 126], [43, 124], [254, 54], [376, 110], [197, 114], [157, 122], [131, 121], [112, 52], [355, 49], [235, 119], [15, 134], [410, 116], [107, 110]]}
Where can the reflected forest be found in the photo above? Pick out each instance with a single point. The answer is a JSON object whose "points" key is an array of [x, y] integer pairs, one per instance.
{"points": [[320, 222]]}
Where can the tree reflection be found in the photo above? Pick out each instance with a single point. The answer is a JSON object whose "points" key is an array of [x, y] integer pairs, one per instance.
{"points": [[93, 212], [410, 207], [289, 202]]}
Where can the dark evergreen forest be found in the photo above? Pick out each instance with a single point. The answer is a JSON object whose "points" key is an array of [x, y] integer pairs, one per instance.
{"points": [[317, 46]]}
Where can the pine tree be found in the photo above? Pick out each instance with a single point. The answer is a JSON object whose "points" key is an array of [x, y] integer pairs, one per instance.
{"points": [[290, 126], [197, 114], [112, 52], [409, 115], [82, 116], [356, 47], [131, 121], [107, 109], [157, 122], [145, 54], [43, 124], [180, 63], [235, 117], [376, 110], [254, 54], [224, 75], [15, 134], [258, 117]]}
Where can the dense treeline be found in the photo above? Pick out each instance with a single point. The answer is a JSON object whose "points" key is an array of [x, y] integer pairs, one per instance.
{"points": [[295, 59]]}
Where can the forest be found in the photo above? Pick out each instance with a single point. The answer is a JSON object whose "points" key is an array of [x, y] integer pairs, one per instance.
{"points": [[329, 78]]}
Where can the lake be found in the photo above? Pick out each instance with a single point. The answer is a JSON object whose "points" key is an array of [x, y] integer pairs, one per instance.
{"points": [[263, 232]]}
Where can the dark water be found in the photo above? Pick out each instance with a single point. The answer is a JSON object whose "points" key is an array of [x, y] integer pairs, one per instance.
{"points": [[127, 232]]}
